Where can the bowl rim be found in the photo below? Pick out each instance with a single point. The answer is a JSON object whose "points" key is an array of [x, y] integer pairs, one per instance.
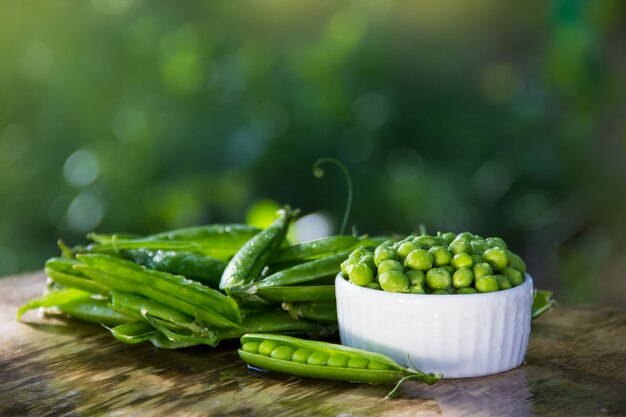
{"points": [[525, 286]]}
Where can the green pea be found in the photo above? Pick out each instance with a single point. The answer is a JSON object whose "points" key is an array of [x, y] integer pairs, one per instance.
{"points": [[318, 358], [461, 260], [438, 279], [488, 283], [384, 252], [378, 366], [496, 242], [479, 246], [368, 260], [448, 237], [283, 353], [394, 281], [373, 285], [462, 278], [346, 266], [360, 274], [460, 246], [358, 253], [441, 255], [503, 282], [419, 259], [416, 289], [448, 268], [301, 355], [466, 290], [358, 363], [267, 346], [338, 361], [389, 265], [466, 236], [252, 347], [416, 277], [426, 241], [481, 269], [441, 292], [515, 277], [516, 262], [497, 258], [406, 248]]}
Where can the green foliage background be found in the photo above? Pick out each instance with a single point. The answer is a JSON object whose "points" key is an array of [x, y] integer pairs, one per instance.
{"points": [[504, 119]]}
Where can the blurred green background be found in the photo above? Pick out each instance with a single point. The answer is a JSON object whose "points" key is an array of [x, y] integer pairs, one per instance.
{"points": [[503, 119]]}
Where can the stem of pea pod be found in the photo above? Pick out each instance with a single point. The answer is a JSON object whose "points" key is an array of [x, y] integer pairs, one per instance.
{"points": [[318, 171]]}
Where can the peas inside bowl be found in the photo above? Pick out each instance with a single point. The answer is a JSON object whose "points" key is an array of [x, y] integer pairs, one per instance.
{"points": [[455, 304]]}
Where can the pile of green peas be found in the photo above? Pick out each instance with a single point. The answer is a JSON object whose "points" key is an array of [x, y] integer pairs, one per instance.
{"points": [[447, 263]]}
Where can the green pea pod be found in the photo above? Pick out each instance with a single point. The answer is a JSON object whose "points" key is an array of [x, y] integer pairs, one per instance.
{"points": [[54, 299], [325, 361], [95, 311], [308, 271], [276, 321], [246, 266], [220, 241], [176, 285], [160, 341], [64, 265], [216, 235], [108, 238], [326, 312], [295, 293], [200, 311], [206, 338], [133, 305], [191, 265], [75, 281], [133, 332], [315, 248], [117, 245], [542, 302]]}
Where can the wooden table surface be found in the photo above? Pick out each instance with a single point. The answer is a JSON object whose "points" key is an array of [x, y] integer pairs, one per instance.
{"points": [[575, 366]]}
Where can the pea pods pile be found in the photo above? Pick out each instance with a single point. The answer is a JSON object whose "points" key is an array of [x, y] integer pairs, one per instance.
{"points": [[447, 263], [199, 285]]}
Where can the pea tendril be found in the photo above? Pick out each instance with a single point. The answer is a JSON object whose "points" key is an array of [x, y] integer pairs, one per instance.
{"points": [[318, 171]]}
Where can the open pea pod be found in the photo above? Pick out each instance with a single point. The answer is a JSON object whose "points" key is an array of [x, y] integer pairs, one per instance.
{"points": [[315, 359]]}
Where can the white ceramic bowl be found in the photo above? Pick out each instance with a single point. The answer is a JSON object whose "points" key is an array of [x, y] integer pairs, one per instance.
{"points": [[458, 335]]}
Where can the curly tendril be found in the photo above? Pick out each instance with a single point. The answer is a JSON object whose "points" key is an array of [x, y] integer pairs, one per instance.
{"points": [[318, 172]]}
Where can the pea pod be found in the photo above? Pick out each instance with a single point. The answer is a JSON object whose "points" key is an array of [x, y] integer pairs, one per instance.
{"points": [[176, 285], [200, 311], [542, 302], [191, 265], [220, 241], [295, 293], [276, 321], [217, 240], [75, 281], [216, 235], [110, 237], [54, 299], [315, 248], [326, 312], [204, 338], [323, 360], [246, 266], [133, 332], [95, 311], [308, 271]]}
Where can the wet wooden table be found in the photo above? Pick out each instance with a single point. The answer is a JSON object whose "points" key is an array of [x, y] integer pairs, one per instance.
{"points": [[576, 366]]}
